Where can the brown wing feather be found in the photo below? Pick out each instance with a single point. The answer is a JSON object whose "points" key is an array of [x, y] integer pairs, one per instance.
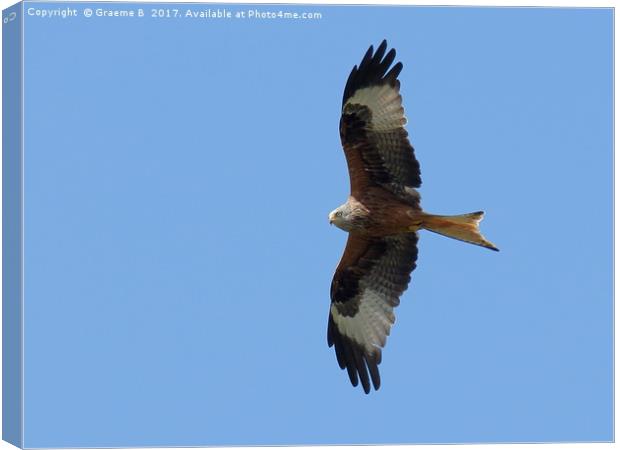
{"points": [[367, 285], [372, 130]]}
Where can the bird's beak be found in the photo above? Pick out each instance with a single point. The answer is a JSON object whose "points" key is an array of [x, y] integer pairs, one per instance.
{"points": [[331, 218]]}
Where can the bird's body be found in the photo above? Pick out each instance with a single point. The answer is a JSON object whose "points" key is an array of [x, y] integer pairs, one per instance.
{"points": [[376, 214], [382, 216]]}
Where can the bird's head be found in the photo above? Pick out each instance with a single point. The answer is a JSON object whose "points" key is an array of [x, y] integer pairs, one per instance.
{"points": [[340, 217]]}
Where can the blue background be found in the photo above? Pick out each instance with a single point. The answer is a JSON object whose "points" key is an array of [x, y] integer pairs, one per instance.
{"points": [[178, 257]]}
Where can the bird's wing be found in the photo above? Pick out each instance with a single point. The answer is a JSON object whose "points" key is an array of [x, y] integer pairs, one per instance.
{"points": [[372, 130], [368, 282]]}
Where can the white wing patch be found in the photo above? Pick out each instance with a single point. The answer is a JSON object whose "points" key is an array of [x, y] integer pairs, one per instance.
{"points": [[385, 103], [371, 324]]}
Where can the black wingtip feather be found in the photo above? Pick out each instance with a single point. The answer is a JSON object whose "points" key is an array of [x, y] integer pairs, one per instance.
{"points": [[350, 356], [380, 52], [351, 365], [372, 362], [367, 58], [372, 70], [387, 61], [392, 75], [360, 363]]}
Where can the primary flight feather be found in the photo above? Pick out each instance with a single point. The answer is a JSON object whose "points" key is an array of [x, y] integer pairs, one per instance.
{"points": [[382, 216]]}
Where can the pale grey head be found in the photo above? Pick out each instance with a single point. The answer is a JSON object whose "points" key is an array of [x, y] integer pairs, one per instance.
{"points": [[342, 217]]}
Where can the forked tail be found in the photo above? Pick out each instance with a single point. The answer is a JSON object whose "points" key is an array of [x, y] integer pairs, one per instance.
{"points": [[463, 227]]}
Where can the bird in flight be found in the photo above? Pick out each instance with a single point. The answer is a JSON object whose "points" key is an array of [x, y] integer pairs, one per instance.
{"points": [[382, 216]]}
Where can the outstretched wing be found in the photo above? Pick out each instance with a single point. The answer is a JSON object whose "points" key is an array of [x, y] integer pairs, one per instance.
{"points": [[372, 130], [371, 276]]}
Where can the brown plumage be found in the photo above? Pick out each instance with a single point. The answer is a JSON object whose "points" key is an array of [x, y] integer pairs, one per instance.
{"points": [[382, 216]]}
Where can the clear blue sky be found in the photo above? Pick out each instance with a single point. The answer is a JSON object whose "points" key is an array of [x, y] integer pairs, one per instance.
{"points": [[178, 177]]}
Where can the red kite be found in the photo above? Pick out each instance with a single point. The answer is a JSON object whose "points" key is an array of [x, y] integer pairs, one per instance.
{"points": [[382, 216]]}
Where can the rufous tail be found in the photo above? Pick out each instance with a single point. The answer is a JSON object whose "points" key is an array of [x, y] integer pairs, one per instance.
{"points": [[463, 227]]}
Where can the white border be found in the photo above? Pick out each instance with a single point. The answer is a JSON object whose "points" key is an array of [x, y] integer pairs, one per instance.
{"points": [[503, 3]]}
